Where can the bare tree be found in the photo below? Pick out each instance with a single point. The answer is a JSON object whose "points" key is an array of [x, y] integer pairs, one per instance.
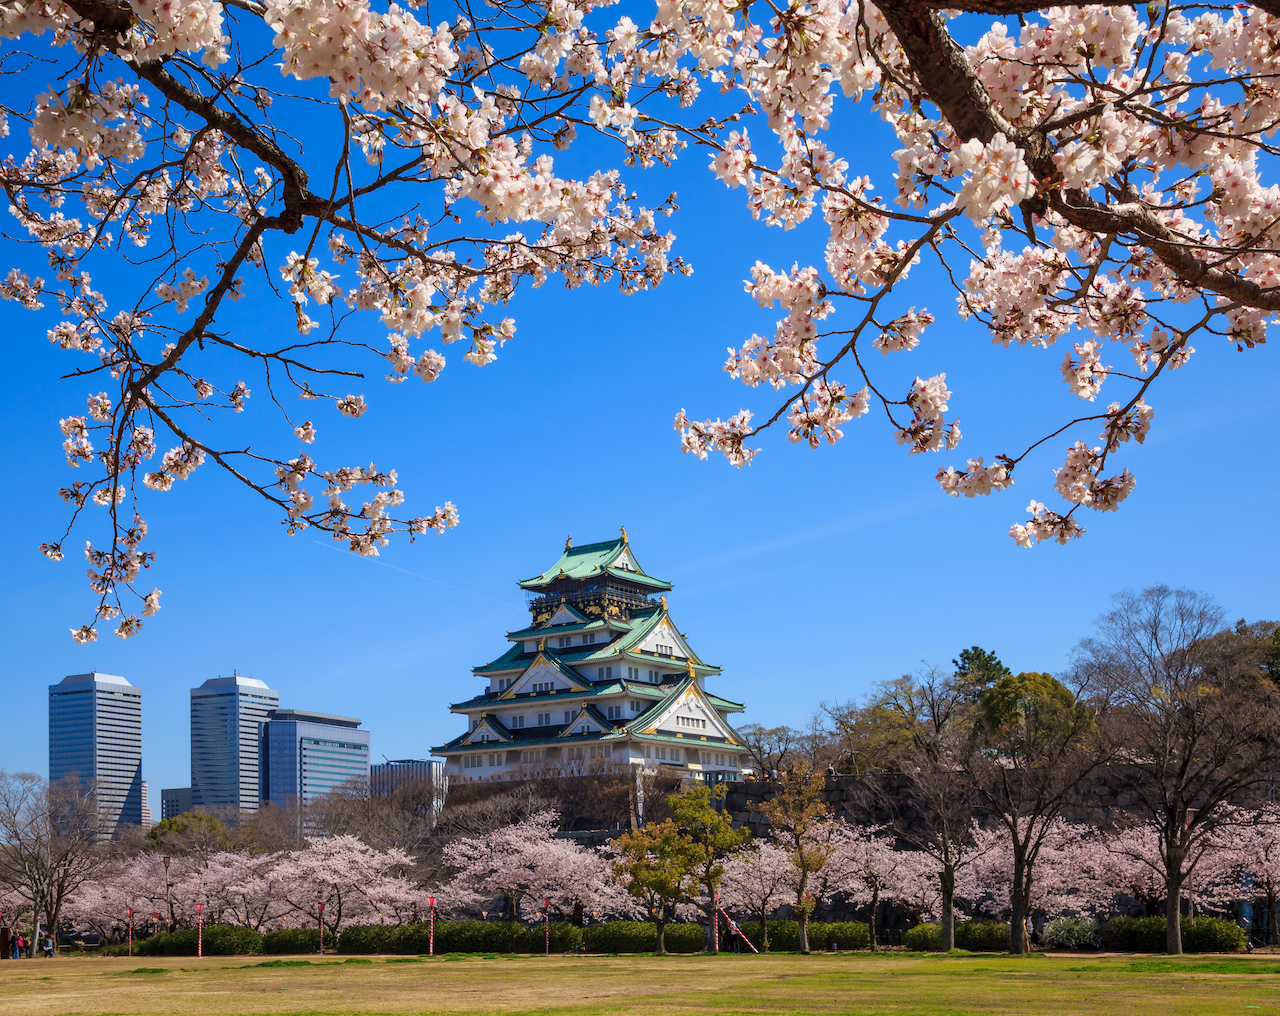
{"points": [[769, 747], [913, 735], [50, 842], [1194, 711]]}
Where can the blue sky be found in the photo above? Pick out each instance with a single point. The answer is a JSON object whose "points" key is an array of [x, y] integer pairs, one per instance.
{"points": [[808, 576]]}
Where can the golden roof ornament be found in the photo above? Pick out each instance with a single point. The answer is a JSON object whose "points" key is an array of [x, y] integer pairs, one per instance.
{"points": [[690, 662], [542, 643], [624, 534], [663, 601], [568, 543]]}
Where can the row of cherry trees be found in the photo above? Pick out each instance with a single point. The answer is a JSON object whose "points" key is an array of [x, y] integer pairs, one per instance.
{"points": [[818, 863]]}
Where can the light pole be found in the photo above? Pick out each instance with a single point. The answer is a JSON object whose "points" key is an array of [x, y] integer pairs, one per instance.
{"points": [[168, 886], [431, 939], [199, 930], [546, 909], [320, 908], [130, 913]]}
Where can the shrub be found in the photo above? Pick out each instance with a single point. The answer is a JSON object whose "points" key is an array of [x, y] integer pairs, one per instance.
{"points": [[846, 934], [1212, 934], [641, 936], [458, 937], [218, 940], [922, 938], [1071, 933], [982, 936], [1149, 934], [290, 941]]}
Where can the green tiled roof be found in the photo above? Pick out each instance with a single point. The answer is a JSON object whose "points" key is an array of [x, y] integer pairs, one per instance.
{"points": [[593, 559], [539, 631], [507, 661]]}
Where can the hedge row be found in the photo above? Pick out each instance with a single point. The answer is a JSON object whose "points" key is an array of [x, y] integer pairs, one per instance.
{"points": [[458, 937], [1199, 935], [974, 936], [291, 941], [784, 936], [218, 940], [642, 937]]}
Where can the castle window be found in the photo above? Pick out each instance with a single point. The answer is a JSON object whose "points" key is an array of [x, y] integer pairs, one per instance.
{"points": [[589, 640], [544, 719], [566, 641], [496, 760], [472, 761], [517, 721], [664, 650], [614, 712], [584, 729], [568, 716]]}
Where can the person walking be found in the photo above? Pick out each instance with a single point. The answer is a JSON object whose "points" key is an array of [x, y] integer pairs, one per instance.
{"points": [[22, 944], [735, 937]]}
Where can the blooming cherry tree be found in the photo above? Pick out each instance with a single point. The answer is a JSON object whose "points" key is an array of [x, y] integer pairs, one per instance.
{"points": [[1096, 177]]}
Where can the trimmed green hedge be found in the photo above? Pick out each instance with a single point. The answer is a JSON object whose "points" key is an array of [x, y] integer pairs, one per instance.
{"points": [[784, 936], [982, 936], [922, 938], [291, 941], [218, 940], [458, 937], [974, 936], [1149, 934], [642, 936]]}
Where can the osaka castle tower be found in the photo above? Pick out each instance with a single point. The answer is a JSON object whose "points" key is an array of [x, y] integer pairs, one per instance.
{"points": [[601, 680]]}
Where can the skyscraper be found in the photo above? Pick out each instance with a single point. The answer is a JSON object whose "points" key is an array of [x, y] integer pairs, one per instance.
{"points": [[306, 755], [95, 729], [225, 714]]}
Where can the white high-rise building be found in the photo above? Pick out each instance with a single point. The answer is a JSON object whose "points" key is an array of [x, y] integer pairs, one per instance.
{"points": [[95, 730], [225, 714]]}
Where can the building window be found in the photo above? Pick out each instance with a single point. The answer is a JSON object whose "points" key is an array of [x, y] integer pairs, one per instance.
{"points": [[691, 721], [541, 687], [566, 641], [589, 639], [614, 712], [604, 673], [664, 650], [544, 719], [472, 761], [655, 677], [584, 729], [637, 707], [535, 755], [517, 721]]}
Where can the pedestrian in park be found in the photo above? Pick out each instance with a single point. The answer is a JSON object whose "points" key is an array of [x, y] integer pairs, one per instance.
{"points": [[47, 947], [735, 936], [19, 946]]}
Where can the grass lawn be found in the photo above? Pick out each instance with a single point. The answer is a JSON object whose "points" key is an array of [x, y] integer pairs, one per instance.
{"points": [[897, 984]]}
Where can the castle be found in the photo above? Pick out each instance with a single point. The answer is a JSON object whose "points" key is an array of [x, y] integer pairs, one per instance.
{"points": [[601, 680]]}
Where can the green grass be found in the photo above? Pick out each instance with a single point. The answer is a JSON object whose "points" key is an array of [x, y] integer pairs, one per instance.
{"points": [[848, 984]]}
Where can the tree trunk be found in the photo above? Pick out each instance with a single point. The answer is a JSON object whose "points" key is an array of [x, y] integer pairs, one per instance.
{"points": [[871, 922], [1019, 899], [661, 926], [764, 932], [804, 929], [1273, 934], [1173, 905], [579, 915], [947, 940]]}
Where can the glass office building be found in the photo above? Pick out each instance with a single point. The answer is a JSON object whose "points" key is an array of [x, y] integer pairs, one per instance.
{"points": [[95, 730], [305, 755], [225, 715]]}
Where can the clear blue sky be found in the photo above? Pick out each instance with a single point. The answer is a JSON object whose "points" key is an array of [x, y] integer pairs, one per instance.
{"points": [[808, 576]]}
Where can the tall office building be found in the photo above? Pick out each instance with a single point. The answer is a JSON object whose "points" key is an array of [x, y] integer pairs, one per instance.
{"points": [[306, 755], [95, 729], [225, 714]]}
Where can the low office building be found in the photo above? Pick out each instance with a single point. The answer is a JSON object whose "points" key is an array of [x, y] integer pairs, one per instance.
{"points": [[174, 801], [306, 755], [95, 731]]}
